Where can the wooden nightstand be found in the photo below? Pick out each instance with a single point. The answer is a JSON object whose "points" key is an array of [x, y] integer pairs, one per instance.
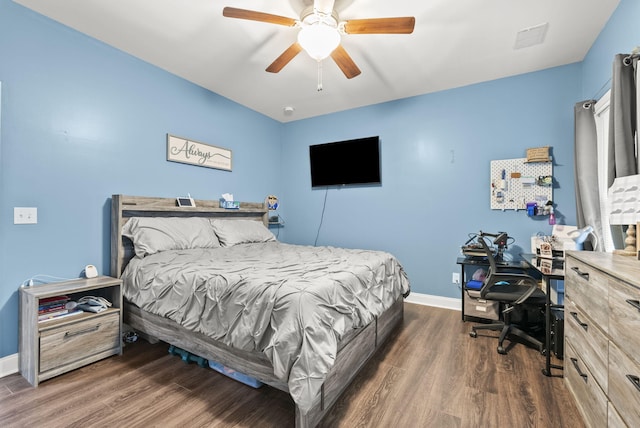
{"points": [[50, 348]]}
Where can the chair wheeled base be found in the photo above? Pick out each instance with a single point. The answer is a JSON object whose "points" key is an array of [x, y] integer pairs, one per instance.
{"points": [[506, 329]]}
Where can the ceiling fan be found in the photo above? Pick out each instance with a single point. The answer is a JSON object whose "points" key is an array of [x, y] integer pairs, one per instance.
{"points": [[320, 32]]}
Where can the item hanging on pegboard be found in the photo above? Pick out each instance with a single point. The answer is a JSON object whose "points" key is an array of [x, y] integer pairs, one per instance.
{"points": [[538, 154]]}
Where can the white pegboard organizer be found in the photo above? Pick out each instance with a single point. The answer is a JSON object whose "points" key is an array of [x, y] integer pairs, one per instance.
{"points": [[516, 193]]}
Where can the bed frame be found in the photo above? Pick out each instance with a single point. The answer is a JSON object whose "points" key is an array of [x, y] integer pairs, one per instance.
{"points": [[354, 350]]}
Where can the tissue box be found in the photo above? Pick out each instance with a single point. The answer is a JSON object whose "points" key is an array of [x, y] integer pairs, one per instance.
{"points": [[229, 205]]}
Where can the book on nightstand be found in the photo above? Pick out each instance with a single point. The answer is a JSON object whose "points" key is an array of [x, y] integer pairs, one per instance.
{"points": [[55, 307], [58, 315]]}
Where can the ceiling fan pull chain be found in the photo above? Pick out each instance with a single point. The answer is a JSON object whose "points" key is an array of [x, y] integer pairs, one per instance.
{"points": [[319, 76]]}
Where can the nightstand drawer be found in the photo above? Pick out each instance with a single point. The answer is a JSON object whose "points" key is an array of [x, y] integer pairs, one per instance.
{"points": [[76, 341]]}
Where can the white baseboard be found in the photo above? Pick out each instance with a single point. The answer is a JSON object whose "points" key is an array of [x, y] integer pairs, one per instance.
{"points": [[436, 301], [9, 365]]}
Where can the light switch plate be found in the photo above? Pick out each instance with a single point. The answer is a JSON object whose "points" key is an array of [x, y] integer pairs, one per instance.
{"points": [[25, 215]]}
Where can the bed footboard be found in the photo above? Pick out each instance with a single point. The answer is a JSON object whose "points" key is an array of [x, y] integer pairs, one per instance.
{"points": [[356, 350]]}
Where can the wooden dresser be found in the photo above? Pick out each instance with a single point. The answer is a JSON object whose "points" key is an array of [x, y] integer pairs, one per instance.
{"points": [[602, 337]]}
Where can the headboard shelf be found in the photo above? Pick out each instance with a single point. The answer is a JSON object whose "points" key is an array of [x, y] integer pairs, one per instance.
{"points": [[144, 203], [125, 207]]}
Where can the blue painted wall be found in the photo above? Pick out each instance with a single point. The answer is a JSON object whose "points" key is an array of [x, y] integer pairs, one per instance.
{"points": [[436, 153], [81, 121], [620, 35]]}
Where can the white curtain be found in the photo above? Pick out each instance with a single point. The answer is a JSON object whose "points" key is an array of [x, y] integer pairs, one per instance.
{"points": [[602, 126]]}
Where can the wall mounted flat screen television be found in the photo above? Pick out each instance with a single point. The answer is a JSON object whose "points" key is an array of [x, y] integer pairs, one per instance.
{"points": [[345, 162]]}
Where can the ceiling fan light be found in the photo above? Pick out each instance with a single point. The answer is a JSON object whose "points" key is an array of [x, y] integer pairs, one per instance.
{"points": [[319, 40]]}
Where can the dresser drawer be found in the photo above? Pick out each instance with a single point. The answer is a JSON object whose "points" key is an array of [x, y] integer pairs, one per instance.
{"points": [[589, 339], [588, 288], [615, 421], [72, 342], [591, 400], [624, 317], [624, 386]]}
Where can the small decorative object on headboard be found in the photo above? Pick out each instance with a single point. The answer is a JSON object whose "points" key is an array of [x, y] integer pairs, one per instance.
{"points": [[185, 201], [227, 202], [272, 202]]}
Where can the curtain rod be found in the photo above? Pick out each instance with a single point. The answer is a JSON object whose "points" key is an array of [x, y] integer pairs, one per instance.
{"points": [[628, 60], [635, 54]]}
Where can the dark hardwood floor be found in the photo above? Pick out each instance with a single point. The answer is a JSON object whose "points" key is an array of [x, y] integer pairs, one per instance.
{"points": [[431, 375]]}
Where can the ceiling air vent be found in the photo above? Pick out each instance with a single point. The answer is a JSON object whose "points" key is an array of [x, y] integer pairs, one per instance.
{"points": [[531, 36]]}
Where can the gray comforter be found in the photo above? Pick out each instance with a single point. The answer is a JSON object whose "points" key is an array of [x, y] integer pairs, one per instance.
{"points": [[294, 303]]}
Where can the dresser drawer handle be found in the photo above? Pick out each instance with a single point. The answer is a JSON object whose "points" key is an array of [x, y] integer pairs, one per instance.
{"points": [[584, 275], [575, 365], [635, 380], [634, 303], [79, 332], [582, 324]]}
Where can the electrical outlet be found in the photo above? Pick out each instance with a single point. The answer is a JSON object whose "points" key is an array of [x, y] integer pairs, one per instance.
{"points": [[455, 278], [25, 215]]}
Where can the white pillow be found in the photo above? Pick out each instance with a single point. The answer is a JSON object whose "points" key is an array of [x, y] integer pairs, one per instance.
{"points": [[233, 232], [153, 234]]}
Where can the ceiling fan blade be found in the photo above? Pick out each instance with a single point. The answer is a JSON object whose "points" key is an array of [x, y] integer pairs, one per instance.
{"points": [[344, 61], [284, 58], [252, 15], [324, 6], [403, 25]]}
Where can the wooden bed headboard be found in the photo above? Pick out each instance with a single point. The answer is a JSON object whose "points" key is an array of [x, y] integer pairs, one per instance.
{"points": [[125, 207]]}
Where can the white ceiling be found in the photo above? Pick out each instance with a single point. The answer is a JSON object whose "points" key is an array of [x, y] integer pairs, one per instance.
{"points": [[455, 43]]}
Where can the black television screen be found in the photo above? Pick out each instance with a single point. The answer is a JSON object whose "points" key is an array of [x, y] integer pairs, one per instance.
{"points": [[345, 162]]}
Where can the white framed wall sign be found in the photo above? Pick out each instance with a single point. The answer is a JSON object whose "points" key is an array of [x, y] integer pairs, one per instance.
{"points": [[191, 152]]}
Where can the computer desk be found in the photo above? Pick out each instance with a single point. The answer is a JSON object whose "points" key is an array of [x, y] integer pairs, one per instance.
{"points": [[548, 272], [483, 262]]}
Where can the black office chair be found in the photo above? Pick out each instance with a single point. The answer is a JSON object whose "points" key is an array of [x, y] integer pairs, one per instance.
{"points": [[511, 289]]}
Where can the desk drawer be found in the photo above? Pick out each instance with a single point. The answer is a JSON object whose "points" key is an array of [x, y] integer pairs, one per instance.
{"points": [[480, 308], [588, 288], [591, 400], [624, 317], [624, 386], [75, 341], [582, 332]]}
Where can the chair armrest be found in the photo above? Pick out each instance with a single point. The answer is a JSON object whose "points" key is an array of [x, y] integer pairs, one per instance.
{"points": [[526, 295]]}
